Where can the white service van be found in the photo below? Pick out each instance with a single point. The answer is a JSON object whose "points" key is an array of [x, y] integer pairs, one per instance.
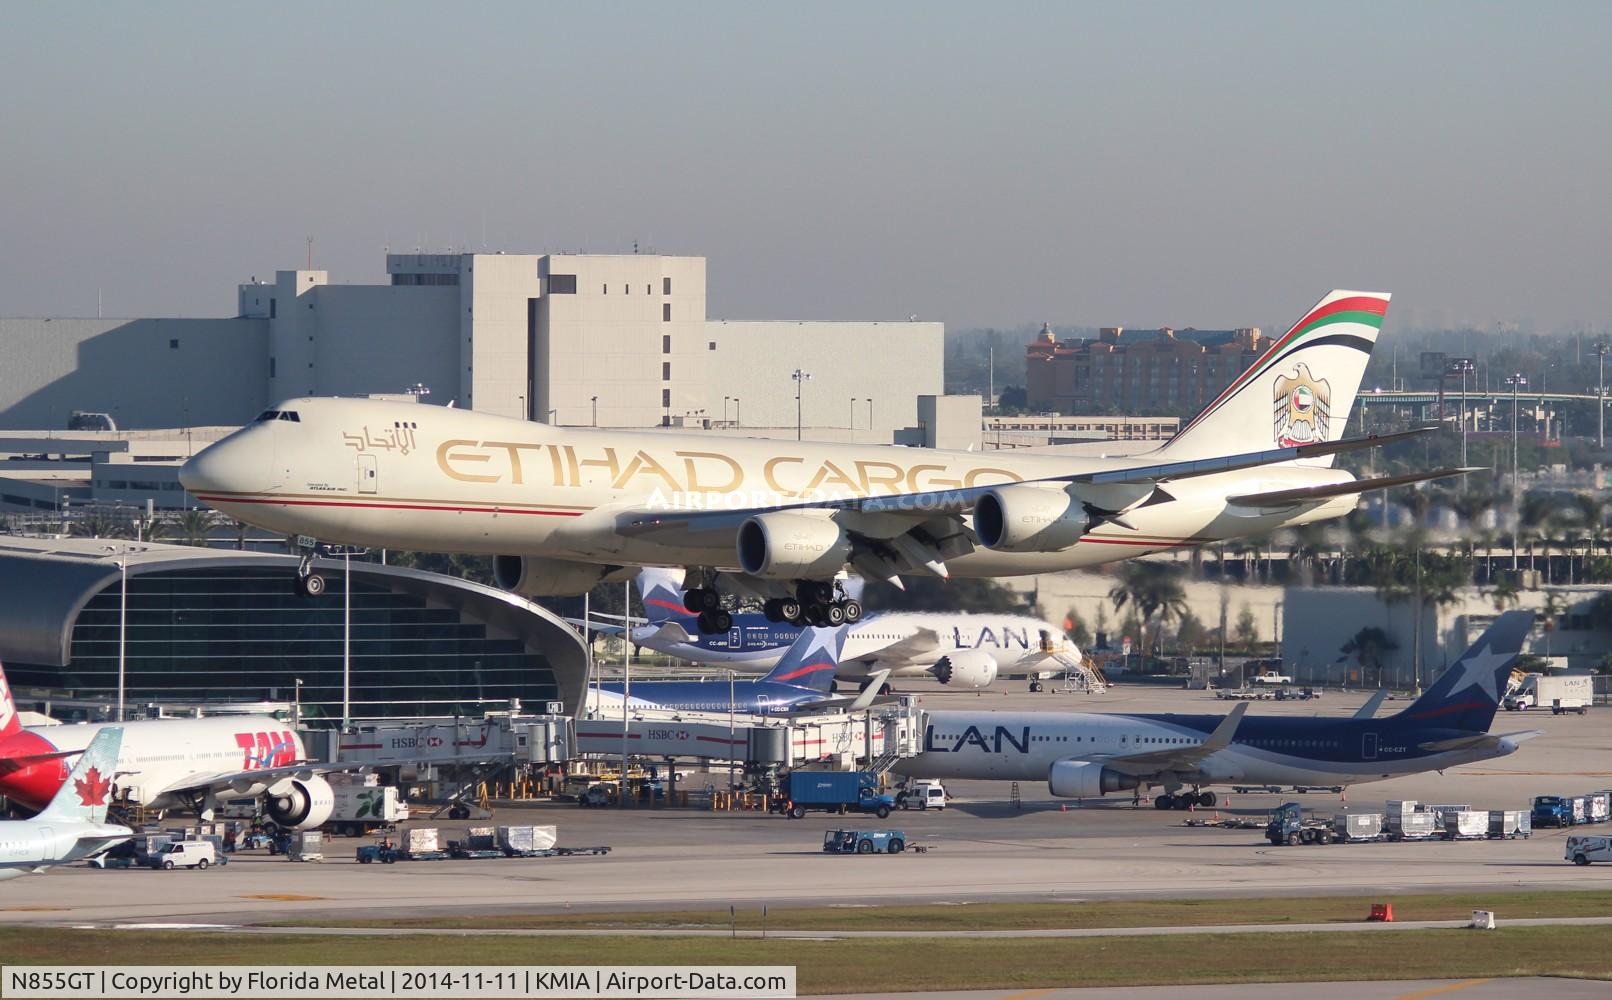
{"points": [[197, 854], [925, 793], [1582, 850]]}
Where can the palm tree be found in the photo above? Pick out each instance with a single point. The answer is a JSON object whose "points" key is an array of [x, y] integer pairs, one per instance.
{"points": [[196, 526], [1504, 591], [1370, 646], [1149, 588], [98, 525]]}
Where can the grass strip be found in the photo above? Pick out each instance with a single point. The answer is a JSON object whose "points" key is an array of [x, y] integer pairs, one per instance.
{"points": [[1032, 916], [876, 965]]}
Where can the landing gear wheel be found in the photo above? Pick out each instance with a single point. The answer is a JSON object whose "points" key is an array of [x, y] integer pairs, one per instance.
{"points": [[769, 607], [701, 599], [1185, 800], [710, 622], [815, 615], [1165, 801], [311, 585], [834, 614], [789, 609], [814, 592], [853, 611], [1207, 799]]}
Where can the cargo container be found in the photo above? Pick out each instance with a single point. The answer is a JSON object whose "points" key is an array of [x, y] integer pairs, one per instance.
{"points": [[1359, 826], [1598, 807], [518, 840], [1578, 808], [1464, 824], [1509, 824], [1413, 826]]}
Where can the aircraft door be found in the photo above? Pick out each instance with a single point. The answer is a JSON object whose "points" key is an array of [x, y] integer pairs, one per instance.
{"points": [[367, 476], [1368, 746], [42, 848], [735, 638]]}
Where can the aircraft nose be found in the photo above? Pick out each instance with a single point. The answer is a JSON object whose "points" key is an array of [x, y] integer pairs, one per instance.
{"points": [[241, 463]]}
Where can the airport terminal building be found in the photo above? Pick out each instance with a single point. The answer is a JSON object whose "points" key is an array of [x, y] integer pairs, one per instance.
{"points": [[215, 627], [618, 340]]}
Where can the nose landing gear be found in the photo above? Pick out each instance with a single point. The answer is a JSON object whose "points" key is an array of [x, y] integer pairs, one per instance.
{"points": [[309, 583]]}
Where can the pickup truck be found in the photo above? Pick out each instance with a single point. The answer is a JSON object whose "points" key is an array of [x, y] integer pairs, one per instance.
{"points": [[1271, 677]]}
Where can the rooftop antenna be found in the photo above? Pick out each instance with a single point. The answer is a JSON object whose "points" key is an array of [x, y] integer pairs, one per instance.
{"points": [[310, 253]]}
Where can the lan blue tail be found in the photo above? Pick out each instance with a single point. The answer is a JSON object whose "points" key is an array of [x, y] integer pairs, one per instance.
{"points": [[1467, 694], [83, 797], [810, 663], [802, 679], [661, 592]]}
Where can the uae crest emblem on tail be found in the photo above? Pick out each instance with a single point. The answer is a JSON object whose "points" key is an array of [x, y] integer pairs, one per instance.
{"points": [[1302, 408]]}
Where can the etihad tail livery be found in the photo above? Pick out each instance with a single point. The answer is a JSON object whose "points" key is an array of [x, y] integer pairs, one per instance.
{"points": [[565, 508], [1087, 755], [73, 823]]}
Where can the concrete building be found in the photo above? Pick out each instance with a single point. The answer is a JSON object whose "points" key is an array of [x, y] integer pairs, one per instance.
{"points": [[615, 340], [212, 626], [1163, 371]]}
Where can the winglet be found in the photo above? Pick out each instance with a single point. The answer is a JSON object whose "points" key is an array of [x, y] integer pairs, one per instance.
{"points": [[83, 796], [1221, 737]]}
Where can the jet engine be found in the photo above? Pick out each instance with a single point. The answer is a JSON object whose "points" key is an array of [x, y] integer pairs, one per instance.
{"points": [[785, 546], [1029, 518], [968, 668], [534, 576], [300, 803], [1086, 779]]}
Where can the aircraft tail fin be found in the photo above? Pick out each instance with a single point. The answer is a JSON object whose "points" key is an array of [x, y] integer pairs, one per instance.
{"points": [[1468, 693], [9, 723], [661, 592], [1299, 391], [812, 660], [83, 796]]}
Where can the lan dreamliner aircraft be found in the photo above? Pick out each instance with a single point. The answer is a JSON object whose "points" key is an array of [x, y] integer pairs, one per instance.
{"points": [[565, 508], [1087, 755]]}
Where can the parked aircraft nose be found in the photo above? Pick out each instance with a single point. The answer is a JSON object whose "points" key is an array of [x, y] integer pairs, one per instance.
{"points": [[241, 463]]}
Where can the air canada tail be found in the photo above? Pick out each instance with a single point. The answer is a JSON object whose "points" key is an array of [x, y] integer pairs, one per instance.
{"points": [[1299, 391], [812, 660], [9, 723], [1467, 694], [660, 591], [83, 796]]}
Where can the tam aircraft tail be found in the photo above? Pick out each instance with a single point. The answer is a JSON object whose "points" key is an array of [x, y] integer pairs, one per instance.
{"points": [[83, 796], [1299, 391], [1467, 694], [812, 660]]}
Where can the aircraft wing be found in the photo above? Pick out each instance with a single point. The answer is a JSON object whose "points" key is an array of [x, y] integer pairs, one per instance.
{"points": [[1184, 758], [1479, 741], [239, 781], [1305, 494], [922, 640], [921, 530]]}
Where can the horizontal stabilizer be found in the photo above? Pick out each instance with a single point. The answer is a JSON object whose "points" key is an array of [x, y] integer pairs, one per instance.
{"points": [[1373, 703], [1490, 742], [1304, 494]]}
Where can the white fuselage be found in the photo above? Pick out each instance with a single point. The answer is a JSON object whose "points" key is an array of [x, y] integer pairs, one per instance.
{"points": [[159, 754], [874, 644], [28, 845], [396, 475]]}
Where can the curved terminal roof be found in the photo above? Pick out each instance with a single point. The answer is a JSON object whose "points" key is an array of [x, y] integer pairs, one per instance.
{"points": [[45, 584]]}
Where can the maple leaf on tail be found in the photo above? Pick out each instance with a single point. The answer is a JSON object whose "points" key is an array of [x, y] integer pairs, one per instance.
{"points": [[92, 788]]}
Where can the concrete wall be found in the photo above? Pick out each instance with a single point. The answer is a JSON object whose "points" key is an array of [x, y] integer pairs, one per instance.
{"points": [[494, 335], [126, 367], [890, 363], [378, 339]]}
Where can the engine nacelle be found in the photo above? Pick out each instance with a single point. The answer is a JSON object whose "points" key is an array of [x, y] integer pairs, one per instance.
{"points": [[1086, 779], [534, 576], [299, 804], [785, 546], [1026, 518], [968, 668]]}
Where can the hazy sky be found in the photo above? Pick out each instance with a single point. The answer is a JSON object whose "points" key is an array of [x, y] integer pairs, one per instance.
{"points": [[981, 164]]}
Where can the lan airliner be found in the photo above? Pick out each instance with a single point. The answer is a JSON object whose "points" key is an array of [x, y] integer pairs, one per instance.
{"points": [[1087, 755]]}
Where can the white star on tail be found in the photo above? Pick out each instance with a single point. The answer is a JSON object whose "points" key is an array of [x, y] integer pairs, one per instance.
{"points": [[1482, 669]]}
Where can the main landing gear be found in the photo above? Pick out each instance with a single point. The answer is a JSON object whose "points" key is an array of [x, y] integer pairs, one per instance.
{"points": [[815, 603], [1184, 800], [309, 583]]}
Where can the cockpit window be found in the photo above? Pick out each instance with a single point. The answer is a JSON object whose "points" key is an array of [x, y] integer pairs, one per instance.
{"points": [[290, 415]]}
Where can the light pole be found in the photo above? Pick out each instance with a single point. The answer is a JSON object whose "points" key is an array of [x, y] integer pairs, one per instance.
{"points": [[1462, 367], [725, 408], [596, 411], [1515, 381], [799, 376], [736, 421], [296, 706], [346, 638], [626, 686], [1600, 394], [123, 622], [852, 424]]}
